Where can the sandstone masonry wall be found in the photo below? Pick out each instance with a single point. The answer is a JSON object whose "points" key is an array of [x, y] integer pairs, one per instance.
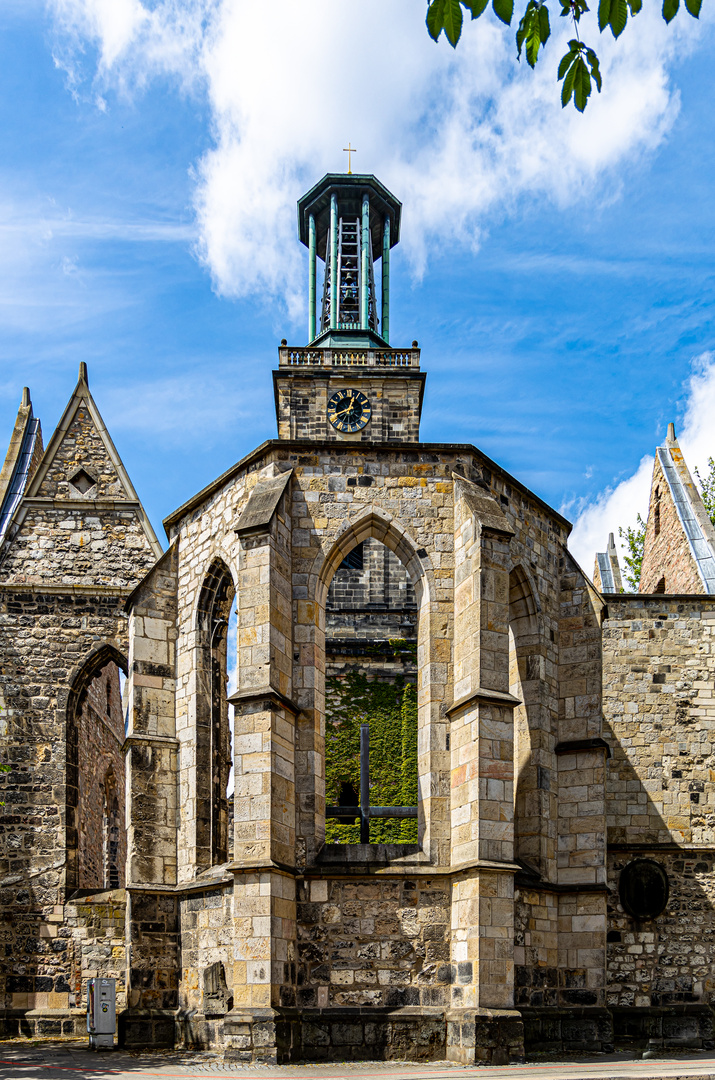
{"points": [[666, 552]]}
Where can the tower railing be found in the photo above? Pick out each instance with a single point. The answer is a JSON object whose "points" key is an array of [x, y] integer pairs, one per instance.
{"points": [[334, 358]]}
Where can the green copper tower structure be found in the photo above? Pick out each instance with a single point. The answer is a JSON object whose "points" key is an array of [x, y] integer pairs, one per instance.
{"points": [[348, 221]]}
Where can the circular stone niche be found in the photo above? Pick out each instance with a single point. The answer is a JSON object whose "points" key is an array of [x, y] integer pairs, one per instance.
{"points": [[643, 889]]}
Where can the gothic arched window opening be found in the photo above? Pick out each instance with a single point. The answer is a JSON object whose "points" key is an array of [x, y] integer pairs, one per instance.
{"points": [[532, 783], [96, 832], [371, 646], [213, 716]]}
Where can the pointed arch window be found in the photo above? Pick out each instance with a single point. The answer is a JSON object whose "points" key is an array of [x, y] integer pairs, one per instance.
{"points": [[213, 717]]}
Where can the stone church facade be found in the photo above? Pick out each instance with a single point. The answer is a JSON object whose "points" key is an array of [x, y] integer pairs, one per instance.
{"points": [[559, 893]]}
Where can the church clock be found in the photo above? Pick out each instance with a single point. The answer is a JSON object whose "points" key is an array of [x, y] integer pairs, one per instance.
{"points": [[349, 410]]}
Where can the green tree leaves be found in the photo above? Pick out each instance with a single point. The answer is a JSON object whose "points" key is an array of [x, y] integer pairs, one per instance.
{"points": [[613, 13], [635, 542], [447, 15], [707, 489], [577, 68], [504, 10], [534, 30]]}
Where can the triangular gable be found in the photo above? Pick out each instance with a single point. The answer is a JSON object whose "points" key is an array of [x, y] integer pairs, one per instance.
{"points": [[81, 496], [81, 440], [679, 549]]}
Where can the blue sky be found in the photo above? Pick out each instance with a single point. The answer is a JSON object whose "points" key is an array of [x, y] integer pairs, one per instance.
{"points": [[561, 287]]}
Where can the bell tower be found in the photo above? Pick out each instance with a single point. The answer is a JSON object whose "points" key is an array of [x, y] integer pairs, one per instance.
{"points": [[347, 383], [349, 221]]}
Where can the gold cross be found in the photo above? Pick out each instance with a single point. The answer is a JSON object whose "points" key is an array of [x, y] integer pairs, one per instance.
{"points": [[349, 150]]}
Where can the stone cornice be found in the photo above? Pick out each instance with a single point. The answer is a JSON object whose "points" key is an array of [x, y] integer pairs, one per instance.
{"points": [[262, 693], [45, 502], [53, 589], [484, 697]]}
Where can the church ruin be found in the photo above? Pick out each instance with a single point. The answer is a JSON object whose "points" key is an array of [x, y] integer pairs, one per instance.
{"points": [[523, 860]]}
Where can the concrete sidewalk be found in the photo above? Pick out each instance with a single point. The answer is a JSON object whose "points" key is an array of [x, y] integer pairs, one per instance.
{"points": [[59, 1060]]}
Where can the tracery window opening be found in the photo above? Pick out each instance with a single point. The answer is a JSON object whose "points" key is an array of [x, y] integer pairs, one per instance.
{"points": [[371, 700], [213, 735]]}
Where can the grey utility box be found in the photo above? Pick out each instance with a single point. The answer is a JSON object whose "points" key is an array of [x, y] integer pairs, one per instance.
{"points": [[101, 1013]]}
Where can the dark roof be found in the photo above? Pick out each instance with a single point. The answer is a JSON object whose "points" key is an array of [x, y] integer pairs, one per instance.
{"points": [[349, 188]]}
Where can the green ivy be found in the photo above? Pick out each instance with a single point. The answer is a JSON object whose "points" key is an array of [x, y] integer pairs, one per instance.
{"points": [[390, 708]]}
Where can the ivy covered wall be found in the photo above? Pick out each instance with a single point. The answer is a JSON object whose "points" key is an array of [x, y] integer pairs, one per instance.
{"points": [[390, 708]]}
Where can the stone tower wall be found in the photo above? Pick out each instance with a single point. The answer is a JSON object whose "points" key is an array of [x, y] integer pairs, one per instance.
{"points": [[659, 708]]}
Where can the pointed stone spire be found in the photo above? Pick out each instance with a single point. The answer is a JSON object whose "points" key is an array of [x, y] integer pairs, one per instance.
{"points": [[607, 571], [21, 461]]}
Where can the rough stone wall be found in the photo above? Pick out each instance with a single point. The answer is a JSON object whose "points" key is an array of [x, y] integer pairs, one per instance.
{"points": [[77, 545], [386, 665], [659, 708], [151, 743], [375, 942], [154, 957], [666, 551], [102, 840], [536, 947], [669, 960], [206, 920], [54, 953], [82, 448], [95, 926], [43, 639]]}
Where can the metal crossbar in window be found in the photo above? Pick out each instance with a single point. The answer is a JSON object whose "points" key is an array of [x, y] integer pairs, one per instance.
{"points": [[364, 811]]}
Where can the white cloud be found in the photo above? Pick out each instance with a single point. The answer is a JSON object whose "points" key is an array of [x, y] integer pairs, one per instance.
{"points": [[619, 506], [459, 136]]}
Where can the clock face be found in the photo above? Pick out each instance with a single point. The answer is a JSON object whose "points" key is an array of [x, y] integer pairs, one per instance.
{"points": [[349, 410]]}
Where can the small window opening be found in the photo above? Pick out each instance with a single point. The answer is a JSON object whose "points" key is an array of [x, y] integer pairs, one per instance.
{"points": [[656, 512], [110, 830], [82, 481], [660, 587]]}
